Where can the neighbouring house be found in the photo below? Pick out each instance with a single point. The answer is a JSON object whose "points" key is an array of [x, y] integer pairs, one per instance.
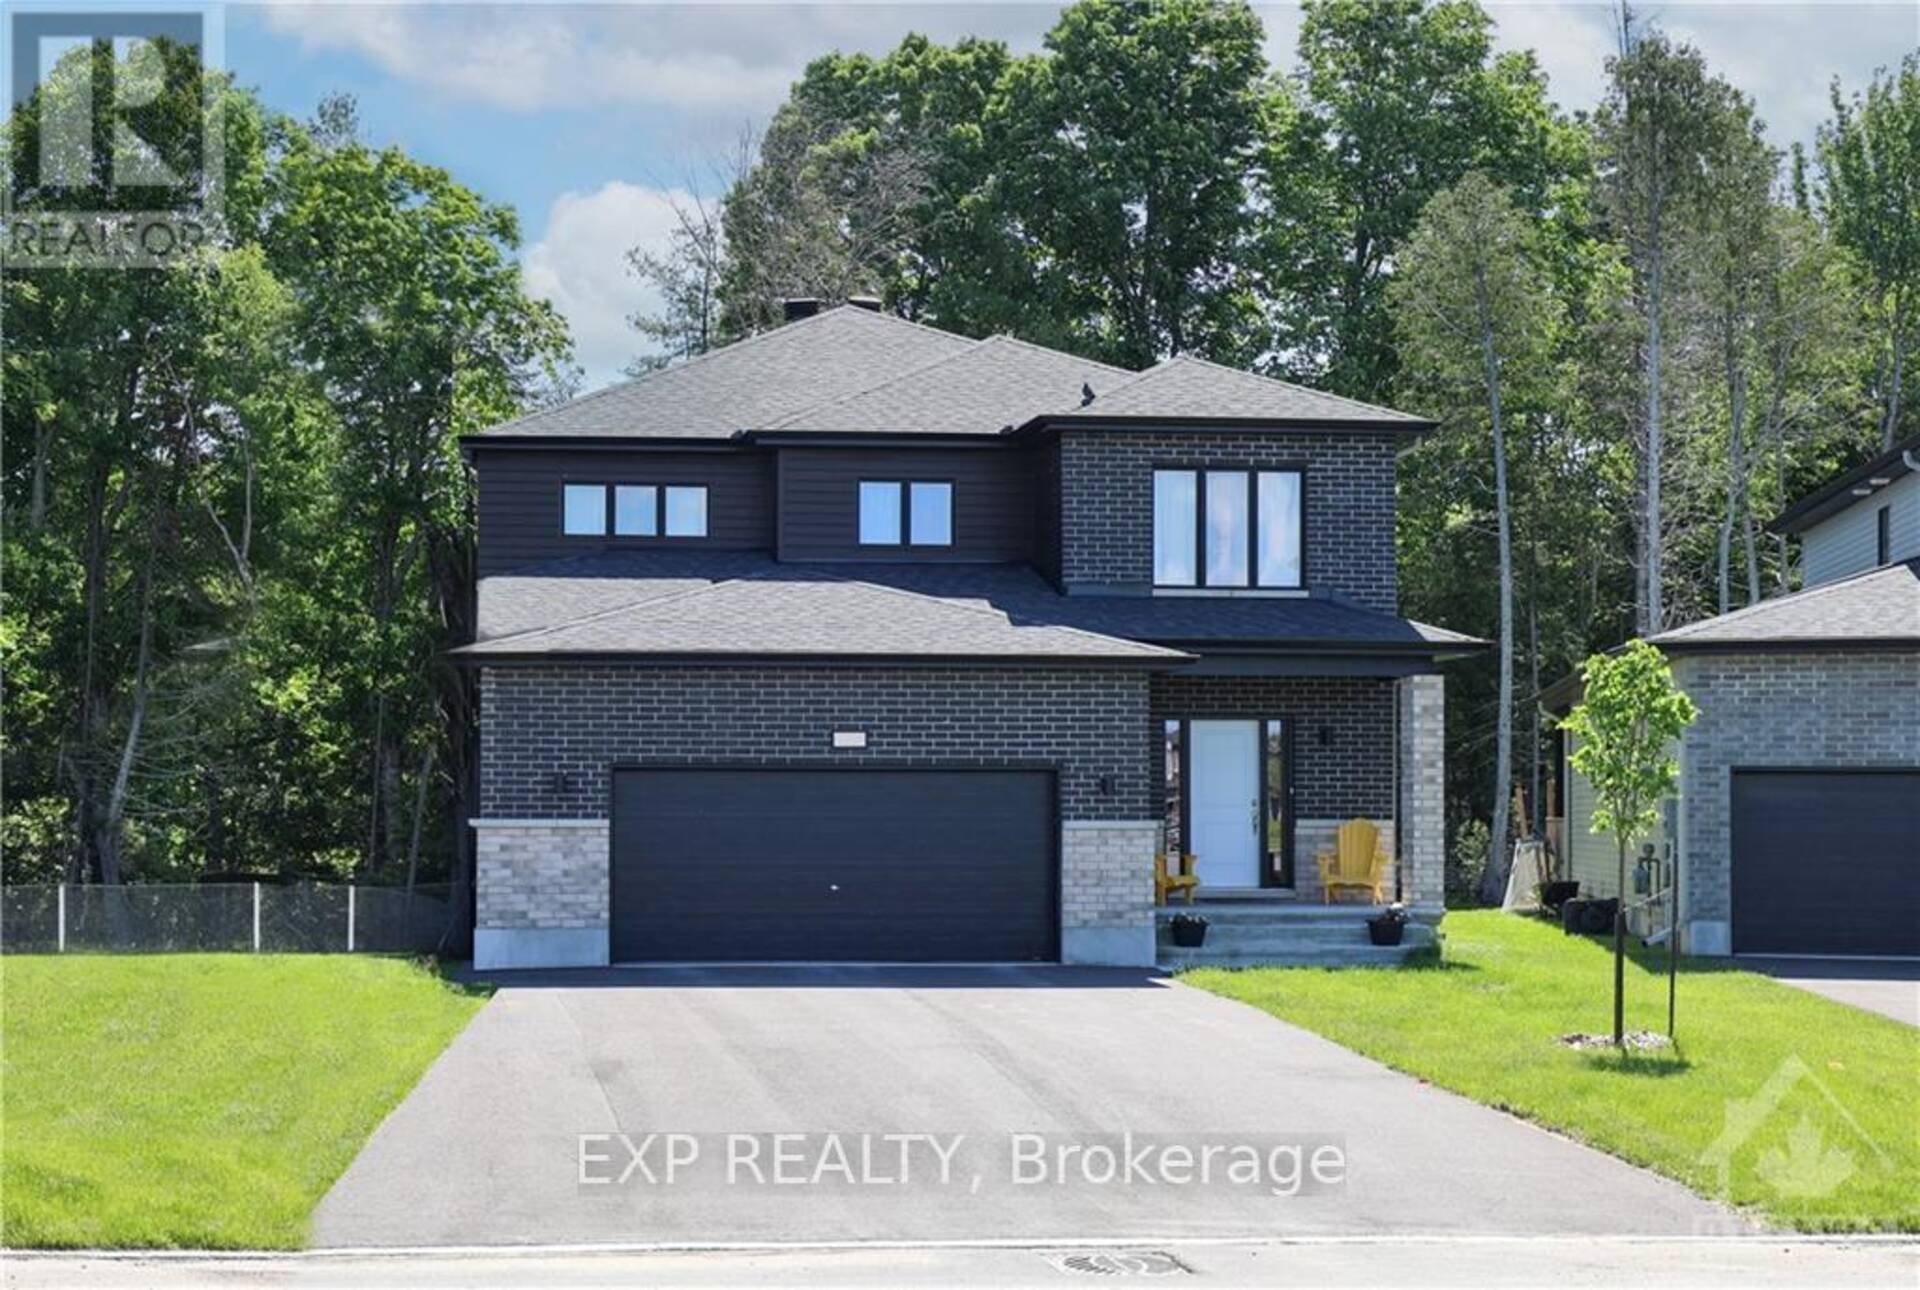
{"points": [[861, 640], [1797, 823]]}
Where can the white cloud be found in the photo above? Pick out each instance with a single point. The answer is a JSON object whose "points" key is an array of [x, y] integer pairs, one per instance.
{"points": [[1571, 41], [580, 265], [730, 58]]}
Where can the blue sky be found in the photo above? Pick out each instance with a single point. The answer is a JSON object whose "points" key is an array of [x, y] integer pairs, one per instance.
{"points": [[586, 118]]}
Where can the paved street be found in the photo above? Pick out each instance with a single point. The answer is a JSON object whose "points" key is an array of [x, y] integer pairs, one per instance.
{"points": [[1735, 1263]]}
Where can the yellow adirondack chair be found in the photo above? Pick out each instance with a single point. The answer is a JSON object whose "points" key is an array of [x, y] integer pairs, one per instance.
{"points": [[1357, 863], [1165, 880]]}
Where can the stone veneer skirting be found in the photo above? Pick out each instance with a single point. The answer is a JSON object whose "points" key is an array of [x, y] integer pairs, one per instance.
{"points": [[541, 893], [1106, 891], [1421, 719]]}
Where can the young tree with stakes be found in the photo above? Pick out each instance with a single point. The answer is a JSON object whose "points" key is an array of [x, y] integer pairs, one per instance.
{"points": [[1627, 721]]}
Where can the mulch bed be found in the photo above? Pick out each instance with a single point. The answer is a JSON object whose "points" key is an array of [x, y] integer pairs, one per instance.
{"points": [[1638, 1039]]}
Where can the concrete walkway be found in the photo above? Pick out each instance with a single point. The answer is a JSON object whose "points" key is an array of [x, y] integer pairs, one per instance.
{"points": [[1890, 987], [909, 1092]]}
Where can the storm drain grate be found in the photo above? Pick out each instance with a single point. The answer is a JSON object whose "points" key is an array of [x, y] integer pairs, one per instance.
{"points": [[1118, 1263]]}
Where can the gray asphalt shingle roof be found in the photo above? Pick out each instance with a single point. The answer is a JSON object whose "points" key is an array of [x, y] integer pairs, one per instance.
{"points": [[1878, 607], [752, 383], [998, 383], [1193, 387], [810, 614], [854, 370], [745, 603]]}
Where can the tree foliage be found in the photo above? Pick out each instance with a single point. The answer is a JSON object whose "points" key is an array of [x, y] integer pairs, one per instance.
{"points": [[1870, 193], [241, 532], [1477, 321]]}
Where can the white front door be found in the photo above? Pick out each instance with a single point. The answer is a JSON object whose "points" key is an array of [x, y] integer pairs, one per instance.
{"points": [[1225, 802]]}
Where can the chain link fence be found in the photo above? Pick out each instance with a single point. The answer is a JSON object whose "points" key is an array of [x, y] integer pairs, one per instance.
{"points": [[299, 917]]}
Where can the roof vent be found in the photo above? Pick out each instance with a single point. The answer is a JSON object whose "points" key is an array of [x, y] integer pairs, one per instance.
{"points": [[869, 303], [1086, 394], [797, 307]]}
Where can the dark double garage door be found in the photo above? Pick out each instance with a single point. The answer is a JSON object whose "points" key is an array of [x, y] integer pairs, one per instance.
{"points": [[789, 865], [1826, 862]]}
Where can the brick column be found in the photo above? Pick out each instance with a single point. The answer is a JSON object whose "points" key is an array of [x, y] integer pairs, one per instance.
{"points": [[1421, 709], [1106, 892], [541, 893]]}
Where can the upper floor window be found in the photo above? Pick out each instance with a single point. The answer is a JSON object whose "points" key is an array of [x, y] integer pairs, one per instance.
{"points": [[1227, 528], [634, 510], [913, 512], [584, 510]]}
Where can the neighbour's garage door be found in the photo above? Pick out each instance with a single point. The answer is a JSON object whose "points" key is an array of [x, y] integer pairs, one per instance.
{"points": [[1826, 863], [854, 864]]}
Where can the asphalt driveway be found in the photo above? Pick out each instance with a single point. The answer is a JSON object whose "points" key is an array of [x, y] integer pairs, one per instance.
{"points": [[1890, 987], [944, 1104]]}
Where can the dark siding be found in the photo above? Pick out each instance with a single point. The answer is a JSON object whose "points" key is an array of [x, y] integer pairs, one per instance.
{"points": [[1106, 506], [1046, 506], [993, 501], [520, 499]]}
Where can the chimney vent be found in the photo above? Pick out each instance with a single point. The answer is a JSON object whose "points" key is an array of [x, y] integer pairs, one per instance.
{"points": [[798, 307], [869, 303]]}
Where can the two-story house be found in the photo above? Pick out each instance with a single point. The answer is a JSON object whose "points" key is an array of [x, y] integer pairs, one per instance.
{"points": [[861, 640], [1797, 823]]}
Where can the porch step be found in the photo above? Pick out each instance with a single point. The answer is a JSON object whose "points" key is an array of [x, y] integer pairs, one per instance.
{"points": [[1210, 955], [1291, 912], [1242, 935]]}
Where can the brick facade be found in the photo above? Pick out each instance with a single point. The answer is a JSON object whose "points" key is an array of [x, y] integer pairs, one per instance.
{"points": [[550, 735], [539, 722], [1106, 502], [1802, 711], [1349, 774]]}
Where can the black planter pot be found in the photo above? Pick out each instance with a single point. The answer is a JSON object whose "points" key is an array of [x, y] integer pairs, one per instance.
{"points": [[1555, 894], [1386, 931], [1588, 917], [1189, 931]]}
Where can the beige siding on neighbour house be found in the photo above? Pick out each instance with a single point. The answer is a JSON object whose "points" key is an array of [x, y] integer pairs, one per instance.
{"points": [[1593, 858]]}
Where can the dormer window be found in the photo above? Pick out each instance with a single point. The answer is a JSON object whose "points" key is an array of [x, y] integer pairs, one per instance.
{"points": [[1227, 529], [896, 512], [633, 510]]}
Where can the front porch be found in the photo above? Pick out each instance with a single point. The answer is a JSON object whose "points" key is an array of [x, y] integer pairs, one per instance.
{"points": [[1254, 777], [1249, 929]]}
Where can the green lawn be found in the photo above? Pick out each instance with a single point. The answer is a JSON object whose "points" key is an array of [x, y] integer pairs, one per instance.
{"points": [[200, 1100], [1832, 1093]]}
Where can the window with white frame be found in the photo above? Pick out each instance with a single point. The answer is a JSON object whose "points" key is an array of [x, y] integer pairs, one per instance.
{"points": [[897, 512], [1228, 528]]}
